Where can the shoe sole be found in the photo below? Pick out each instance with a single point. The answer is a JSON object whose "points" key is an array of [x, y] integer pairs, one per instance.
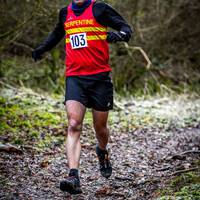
{"points": [[70, 189], [106, 174]]}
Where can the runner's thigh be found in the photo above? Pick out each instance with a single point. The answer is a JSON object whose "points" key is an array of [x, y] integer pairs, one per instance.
{"points": [[101, 96], [75, 90], [75, 111]]}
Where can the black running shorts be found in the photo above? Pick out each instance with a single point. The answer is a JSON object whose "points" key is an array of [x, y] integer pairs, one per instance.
{"points": [[93, 91]]}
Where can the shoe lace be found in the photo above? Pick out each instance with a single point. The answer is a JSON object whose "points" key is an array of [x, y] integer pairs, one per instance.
{"points": [[72, 179], [104, 160]]}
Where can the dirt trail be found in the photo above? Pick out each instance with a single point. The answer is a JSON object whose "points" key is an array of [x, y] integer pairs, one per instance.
{"points": [[147, 138], [141, 162]]}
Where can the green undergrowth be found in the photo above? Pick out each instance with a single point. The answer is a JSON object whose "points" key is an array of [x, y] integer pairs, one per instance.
{"points": [[165, 113], [27, 118], [48, 75], [45, 75], [183, 187]]}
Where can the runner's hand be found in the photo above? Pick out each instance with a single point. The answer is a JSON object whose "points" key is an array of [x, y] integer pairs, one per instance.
{"points": [[37, 55], [113, 37]]}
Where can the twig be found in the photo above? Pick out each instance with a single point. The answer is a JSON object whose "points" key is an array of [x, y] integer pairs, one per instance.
{"points": [[19, 26], [10, 149], [123, 178], [117, 105], [141, 51], [137, 183], [190, 151], [30, 147], [149, 181], [25, 46], [164, 169], [184, 170], [180, 156], [143, 182], [149, 28], [7, 85]]}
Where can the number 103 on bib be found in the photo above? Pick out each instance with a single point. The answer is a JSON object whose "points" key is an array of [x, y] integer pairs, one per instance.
{"points": [[78, 40]]}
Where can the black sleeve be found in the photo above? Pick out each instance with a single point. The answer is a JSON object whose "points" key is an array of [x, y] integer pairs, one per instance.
{"points": [[56, 35], [108, 16]]}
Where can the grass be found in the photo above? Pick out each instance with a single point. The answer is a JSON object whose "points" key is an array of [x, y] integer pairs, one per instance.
{"points": [[25, 119], [25, 115], [175, 111], [48, 75], [183, 187]]}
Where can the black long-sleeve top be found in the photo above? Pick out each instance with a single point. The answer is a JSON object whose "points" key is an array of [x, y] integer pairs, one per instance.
{"points": [[103, 13]]}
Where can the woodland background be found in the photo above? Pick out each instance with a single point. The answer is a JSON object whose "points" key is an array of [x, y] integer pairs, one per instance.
{"points": [[168, 31]]}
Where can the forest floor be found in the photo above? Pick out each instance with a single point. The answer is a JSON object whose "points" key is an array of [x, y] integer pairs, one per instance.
{"points": [[154, 147]]}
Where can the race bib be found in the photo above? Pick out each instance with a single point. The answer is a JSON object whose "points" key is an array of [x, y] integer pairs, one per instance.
{"points": [[78, 40]]}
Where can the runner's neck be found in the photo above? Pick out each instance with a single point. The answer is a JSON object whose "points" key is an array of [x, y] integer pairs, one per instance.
{"points": [[77, 8]]}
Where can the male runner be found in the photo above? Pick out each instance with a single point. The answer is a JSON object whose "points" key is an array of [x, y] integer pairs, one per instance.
{"points": [[88, 84]]}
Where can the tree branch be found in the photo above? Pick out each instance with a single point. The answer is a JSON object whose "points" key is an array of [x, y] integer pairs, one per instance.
{"points": [[21, 24], [141, 51], [184, 170]]}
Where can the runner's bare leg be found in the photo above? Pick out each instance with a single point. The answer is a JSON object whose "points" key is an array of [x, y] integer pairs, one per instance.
{"points": [[100, 126], [75, 115]]}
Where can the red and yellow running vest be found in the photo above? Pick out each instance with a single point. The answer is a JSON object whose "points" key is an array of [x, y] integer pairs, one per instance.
{"points": [[87, 50]]}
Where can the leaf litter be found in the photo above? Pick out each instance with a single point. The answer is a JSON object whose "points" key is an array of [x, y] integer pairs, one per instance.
{"points": [[147, 144]]}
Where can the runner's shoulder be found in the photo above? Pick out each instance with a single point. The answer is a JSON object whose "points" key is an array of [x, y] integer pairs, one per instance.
{"points": [[101, 5], [63, 14], [63, 10]]}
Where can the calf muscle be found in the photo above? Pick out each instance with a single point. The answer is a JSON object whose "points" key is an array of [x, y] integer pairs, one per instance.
{"points": [[100, 127], [75, 115]]}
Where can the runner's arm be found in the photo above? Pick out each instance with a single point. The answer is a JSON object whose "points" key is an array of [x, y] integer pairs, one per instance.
{"points": [[52, 39], [108, 16]]}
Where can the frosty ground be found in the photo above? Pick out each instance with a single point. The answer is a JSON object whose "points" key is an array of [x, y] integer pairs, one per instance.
{"points": [[153, 142]]}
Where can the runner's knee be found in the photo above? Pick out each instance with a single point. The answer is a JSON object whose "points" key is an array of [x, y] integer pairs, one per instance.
{"points": [[74, 126]]}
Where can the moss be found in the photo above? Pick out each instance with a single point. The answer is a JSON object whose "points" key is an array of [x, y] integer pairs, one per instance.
{"points": [[4, 127], [47, 118], [18, 141], [192, 191], [50, 141], [185, 179], [21, 71], [23, 120], [183, 187], [35, 134]]}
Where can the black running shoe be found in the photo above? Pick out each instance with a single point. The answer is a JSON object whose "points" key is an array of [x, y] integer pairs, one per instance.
{"points": [[104, 163], [71, 185]]}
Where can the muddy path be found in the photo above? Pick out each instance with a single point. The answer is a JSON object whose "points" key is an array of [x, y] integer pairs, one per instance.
{"points": [[143, 161], [151, 142]]}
